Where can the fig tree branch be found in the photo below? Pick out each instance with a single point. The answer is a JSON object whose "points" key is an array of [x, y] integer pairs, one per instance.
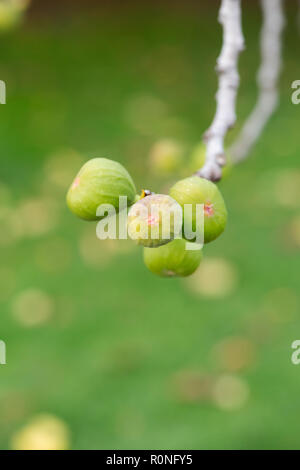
{"points": [[225, 116], [267, 79]]}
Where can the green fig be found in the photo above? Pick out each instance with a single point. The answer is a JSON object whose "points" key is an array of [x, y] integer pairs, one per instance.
{"points": [[100, 181], [154, 220], [173, 259], [195, 190]]}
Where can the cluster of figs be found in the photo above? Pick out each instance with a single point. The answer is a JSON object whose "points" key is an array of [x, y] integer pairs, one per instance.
{"points": [[103, 181]]}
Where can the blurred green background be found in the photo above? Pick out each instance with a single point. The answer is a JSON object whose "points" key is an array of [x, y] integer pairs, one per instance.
{"points": [[100, 352]]}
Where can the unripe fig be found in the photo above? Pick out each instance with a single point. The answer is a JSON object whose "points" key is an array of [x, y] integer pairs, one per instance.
{"points": [[173, 259], [100, 181], [154, 220], [195, 190]]}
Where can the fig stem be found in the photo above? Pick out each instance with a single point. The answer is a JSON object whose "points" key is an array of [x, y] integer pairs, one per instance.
{"points": [[267, 79], [227, 70]]}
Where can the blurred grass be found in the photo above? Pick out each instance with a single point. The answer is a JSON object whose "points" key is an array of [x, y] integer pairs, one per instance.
{"points": [[112, 84]]}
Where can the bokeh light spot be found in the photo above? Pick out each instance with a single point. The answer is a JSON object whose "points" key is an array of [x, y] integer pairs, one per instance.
{"points": [[230, 393], [234, 354], [43, 432], [33, 307], [61, 167], [216, 277]]}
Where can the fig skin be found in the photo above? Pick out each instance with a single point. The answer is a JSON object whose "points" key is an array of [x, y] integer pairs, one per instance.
{"points": [[173, 259], [145, 218], [196, 190], [99, 181]]}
